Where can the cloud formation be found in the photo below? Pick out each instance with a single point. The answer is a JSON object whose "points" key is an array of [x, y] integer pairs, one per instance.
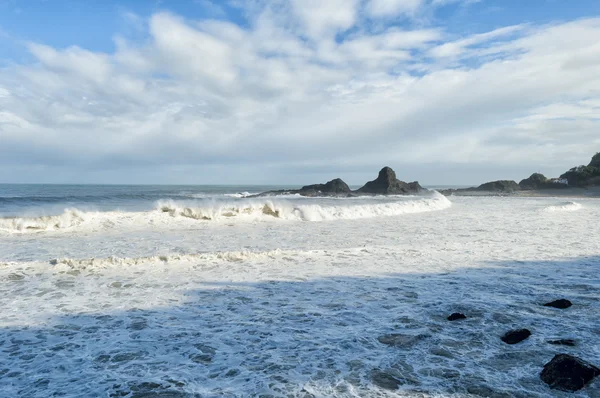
{"points": [[306, 86]]}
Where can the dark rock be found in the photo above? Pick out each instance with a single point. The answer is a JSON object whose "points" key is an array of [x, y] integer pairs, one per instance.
{"points": [[456, 316], [400, 340], [387, 184], [385, 380], [567, 373], [567, 342], [535, 181], [505, 186], [561, 304], [336, 186], [516, 336]]}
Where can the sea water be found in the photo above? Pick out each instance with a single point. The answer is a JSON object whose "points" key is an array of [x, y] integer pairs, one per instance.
{"points": [[147, 291]]}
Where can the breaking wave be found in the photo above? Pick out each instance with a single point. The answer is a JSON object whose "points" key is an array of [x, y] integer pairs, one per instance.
{"points": [[568, 206], [170, 213], [234, 256]]}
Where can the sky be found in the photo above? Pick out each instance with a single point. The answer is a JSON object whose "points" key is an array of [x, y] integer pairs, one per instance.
{"points": [[446, 92]]}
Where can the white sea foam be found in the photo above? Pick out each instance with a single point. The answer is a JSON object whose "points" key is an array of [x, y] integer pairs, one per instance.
{"points": [[169, 213], [568, 206]]}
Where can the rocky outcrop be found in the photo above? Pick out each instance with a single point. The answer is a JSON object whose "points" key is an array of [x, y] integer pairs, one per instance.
{"points": [[516, 336], [585, 176], [336, 186], [386, 183], [505, 186], [535, 181], [456, 316], [561, 304], [568, 373]]}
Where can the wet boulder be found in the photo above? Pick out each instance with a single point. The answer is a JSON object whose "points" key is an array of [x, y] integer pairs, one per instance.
{"points": [[386, 183], [515, 336], [568, 373], [456, 316], [560, 304]]}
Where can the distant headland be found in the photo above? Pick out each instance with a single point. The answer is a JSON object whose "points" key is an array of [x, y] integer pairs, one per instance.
{"points": [[578, 179]]}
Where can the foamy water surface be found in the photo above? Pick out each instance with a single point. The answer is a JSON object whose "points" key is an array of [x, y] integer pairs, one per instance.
{"points": [[287, 297]]}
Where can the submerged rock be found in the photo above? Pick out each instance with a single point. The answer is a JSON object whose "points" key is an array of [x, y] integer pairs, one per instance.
{"points": [[567, 342], [386, 183], [561, 304], [456, 316], [568, 373], [400, 340], [516, 336], [385, 380]]}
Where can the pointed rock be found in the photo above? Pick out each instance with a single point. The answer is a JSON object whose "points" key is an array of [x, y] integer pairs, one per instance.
{"points": [[387, 184]]}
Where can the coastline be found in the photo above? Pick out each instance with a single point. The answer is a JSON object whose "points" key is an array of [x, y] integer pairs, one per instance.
{"points": [[592, 193]]}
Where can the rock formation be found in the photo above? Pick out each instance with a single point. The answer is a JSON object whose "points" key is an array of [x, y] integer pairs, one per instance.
{"points": [[561, 304], [585, 176], [456, 316], [499, 186], [386, 183], [336, 186], [568, 373], [535, 181], [516, 336]]}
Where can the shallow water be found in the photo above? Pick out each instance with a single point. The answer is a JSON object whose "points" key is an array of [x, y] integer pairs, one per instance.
{"points": [[145, 301]]}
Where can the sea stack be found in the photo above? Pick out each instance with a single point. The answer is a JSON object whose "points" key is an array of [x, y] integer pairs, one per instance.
{"points": [[334, 187], [386, 183]]}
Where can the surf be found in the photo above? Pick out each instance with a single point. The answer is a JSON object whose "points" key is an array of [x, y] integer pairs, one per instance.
{"points": [[173, 213]]}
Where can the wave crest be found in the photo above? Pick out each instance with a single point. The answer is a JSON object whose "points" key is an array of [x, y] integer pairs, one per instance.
{"points": [[567, 206], [171, 214]]}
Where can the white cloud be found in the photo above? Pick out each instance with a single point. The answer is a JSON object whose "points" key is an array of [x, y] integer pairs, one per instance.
{"points": [[391, 8], [459, 47], [209, 93], [324, 18]]}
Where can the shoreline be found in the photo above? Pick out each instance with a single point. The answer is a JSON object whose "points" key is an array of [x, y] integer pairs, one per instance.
{"points": [[580, 193]]}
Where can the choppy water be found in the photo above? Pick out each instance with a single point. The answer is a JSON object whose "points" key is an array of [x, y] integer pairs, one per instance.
{"points": [[192, 292]]}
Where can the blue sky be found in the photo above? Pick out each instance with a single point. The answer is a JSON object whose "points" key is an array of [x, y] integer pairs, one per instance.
{"points": [[444, 91]]}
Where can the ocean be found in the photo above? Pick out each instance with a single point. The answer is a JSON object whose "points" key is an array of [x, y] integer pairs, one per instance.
{"points": [[204, 291]]}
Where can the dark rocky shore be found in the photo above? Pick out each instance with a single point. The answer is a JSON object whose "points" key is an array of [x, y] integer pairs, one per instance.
{"points": [[580, 181], [386, 183]]}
